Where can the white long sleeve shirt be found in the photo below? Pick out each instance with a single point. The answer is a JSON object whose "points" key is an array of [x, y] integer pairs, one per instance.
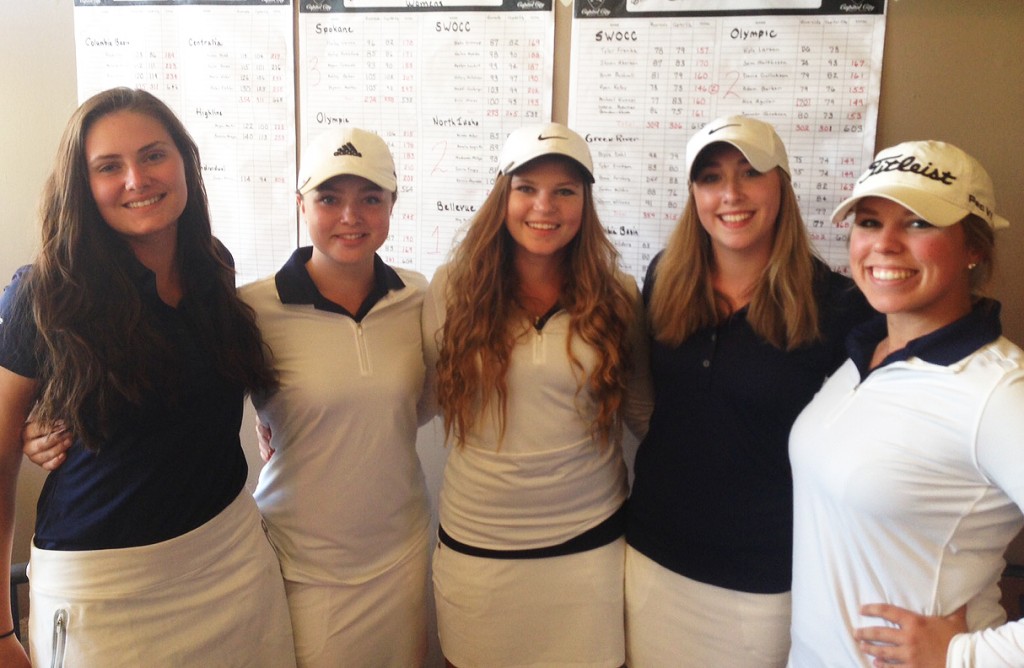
{"points": [[909, 484]]}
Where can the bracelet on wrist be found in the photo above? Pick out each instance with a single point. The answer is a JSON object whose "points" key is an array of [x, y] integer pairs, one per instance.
{"points": [[8, 634]]}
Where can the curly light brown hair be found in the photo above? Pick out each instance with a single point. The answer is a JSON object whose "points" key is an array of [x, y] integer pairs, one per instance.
{"points": [[484, 322]]}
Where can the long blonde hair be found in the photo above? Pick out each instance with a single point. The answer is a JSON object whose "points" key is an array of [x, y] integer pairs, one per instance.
{"points": [[782, 310], [483, 321]]}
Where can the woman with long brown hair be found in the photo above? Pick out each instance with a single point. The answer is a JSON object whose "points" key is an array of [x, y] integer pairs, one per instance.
{"points": [[126, 328], [539, 361]]}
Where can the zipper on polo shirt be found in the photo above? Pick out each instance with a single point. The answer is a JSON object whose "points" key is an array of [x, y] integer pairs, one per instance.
{"points": [[539, 356], [364, 354]]}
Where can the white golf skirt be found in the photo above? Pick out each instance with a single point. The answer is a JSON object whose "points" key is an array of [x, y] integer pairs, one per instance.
{"points": [[381, 622], [672, 620], [550, 612], [211, 597]]}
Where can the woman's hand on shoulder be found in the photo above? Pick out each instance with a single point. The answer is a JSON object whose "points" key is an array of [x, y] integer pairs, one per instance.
{"points": [[46, 445], [918, 641], [263, 435]]}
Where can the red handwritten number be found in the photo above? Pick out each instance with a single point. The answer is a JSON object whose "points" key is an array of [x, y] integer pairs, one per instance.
{"points": [[437, 165], [436, 234], [735, 76]]}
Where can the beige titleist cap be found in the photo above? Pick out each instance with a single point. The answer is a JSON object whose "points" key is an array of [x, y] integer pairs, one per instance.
{"points": [[937, 181]]}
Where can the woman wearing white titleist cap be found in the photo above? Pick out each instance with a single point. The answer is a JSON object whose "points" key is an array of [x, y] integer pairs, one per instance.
{"points": [[746, 324], [342, 492], [539, 338], [908, 467]]}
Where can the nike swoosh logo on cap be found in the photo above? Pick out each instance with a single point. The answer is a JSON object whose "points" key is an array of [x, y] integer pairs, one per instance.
{"points": [[728, 125], [542, 137]]}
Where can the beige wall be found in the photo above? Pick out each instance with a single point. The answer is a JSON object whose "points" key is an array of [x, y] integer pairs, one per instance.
{"points": [[953, 71], [37, 94]]}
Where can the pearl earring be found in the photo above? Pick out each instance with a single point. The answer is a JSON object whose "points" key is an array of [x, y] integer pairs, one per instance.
{"points": [[971, 266]]}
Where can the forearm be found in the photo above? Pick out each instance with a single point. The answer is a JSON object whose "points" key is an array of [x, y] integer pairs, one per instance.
{"points": [[10, 463], [432, 322], [16, 394], [1001, 646]]}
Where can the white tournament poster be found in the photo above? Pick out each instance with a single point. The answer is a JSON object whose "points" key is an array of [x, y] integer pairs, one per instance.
{"points": [[647, 74], [443, 83], [227, 70]]}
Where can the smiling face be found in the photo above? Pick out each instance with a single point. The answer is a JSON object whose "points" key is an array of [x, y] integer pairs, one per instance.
{"points": [[349, 218], [137, 176], [912, 271], [737, 205], [545, 207]]}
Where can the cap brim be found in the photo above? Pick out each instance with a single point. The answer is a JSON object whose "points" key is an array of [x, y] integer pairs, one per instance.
{"points": [[758, 159], [505, 169], [382, 180], [930, 208]]}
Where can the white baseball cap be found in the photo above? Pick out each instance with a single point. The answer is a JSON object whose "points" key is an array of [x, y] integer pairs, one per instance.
{"points": [[535, 141], [935, 180], [346, 150], [756, 140]]}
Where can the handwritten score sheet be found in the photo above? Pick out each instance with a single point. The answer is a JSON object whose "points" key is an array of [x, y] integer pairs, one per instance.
{"points": [[226, 69], [442, 85], [444, 82], [647, 74]]}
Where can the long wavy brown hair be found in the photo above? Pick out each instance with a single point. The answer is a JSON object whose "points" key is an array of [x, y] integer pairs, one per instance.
{"points": [[782, 310], [483, 321], [99, 352]]}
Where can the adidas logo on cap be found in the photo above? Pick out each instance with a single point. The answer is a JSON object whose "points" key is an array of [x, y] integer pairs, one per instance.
{"points": [[348, 149], [345, 150]]}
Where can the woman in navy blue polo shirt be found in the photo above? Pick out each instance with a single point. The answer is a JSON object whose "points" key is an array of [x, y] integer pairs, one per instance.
{"points": [[746, 324], [147, 549]]}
